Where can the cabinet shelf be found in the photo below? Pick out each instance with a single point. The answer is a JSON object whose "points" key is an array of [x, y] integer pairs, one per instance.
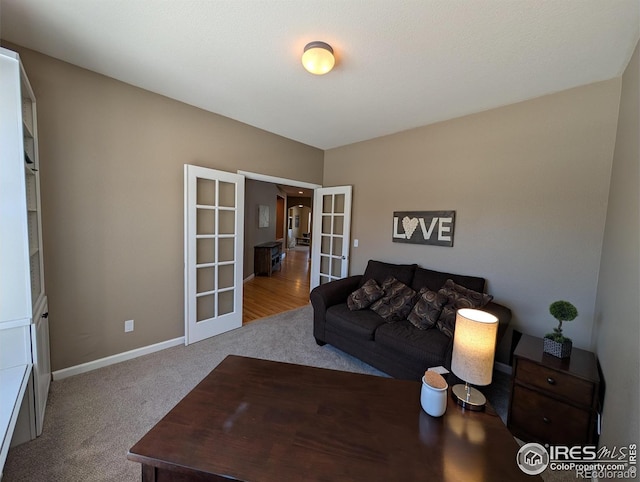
{"points": [[27, 109], [30, 171], [29, 153], [28, 132]]}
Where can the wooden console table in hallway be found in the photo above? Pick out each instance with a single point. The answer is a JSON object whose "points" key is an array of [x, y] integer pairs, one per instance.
{"points": [[267, 257]]}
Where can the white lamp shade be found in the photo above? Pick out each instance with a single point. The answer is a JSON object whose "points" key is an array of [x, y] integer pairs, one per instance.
{"points": [[318, 58], [474, 344]]}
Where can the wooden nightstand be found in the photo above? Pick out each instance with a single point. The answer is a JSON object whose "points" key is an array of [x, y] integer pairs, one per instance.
{"points": [[553, 400]]}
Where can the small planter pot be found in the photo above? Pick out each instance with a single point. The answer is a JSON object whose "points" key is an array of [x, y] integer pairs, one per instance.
{"points": [[557, 349]]}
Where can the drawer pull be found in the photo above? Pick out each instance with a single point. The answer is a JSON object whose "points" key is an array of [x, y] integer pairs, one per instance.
{"points": [[551, 381], [546, 420]]}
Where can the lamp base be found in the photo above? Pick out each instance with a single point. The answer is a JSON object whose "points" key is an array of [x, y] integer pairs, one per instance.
{"points": [[468, 397]]}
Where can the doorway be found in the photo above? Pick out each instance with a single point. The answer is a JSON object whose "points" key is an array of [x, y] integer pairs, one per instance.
{"points": [[299, 223], [290, 203], [286, 289], [215, 228]]}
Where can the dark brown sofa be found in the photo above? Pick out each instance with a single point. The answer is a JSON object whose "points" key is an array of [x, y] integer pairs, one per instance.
{"points": [[399, 348]]}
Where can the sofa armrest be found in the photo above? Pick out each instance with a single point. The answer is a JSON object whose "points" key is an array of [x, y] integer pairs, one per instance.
{"points": [[327, 295], [504, 317], [334, 292]]}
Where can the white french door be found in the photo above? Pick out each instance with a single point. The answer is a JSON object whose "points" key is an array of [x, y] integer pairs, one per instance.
{"points": [[41, 361], [214, 236], [331, 234]]}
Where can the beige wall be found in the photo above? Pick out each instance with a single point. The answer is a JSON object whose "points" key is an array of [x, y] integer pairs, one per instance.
{"points": [[529, 184], [617, 323], [112, 159]]}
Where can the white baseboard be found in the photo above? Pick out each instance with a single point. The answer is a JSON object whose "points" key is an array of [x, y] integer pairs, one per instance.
{"points": [[146, 350], [249, 278], [113, 359]]}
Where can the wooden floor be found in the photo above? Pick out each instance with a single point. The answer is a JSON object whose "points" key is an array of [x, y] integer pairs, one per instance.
{"points": [[286, 289]]}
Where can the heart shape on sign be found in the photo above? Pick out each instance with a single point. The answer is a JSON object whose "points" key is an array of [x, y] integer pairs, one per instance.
{"points": [[409, 225]]}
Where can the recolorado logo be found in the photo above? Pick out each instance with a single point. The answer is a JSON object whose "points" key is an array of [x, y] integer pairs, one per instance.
{"points": [[587, 461]]}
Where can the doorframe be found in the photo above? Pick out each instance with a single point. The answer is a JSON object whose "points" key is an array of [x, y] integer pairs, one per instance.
{"points": [[278, 180], [256, 176]]}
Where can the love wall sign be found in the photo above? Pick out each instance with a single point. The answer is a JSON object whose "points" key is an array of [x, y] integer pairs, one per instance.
{"points": [[424, 227]]}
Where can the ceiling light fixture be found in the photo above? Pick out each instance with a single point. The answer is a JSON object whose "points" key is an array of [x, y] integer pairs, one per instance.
{"points": [[318, 58]]}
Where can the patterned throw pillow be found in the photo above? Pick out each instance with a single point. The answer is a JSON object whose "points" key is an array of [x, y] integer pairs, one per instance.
{"points": [[426, 311], [365, 295], [397, 302], [458, 297]]}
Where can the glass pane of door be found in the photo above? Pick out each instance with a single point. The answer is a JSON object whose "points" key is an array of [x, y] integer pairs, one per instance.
{"points": [[330, 246]]}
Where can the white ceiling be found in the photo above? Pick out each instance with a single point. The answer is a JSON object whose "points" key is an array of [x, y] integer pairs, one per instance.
{"points": [[400, 63]]}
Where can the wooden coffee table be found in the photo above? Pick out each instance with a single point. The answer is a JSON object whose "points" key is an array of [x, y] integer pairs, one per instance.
{"points": [[258, 420]]}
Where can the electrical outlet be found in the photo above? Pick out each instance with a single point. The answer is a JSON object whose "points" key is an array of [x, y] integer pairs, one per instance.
{"points": [[128, 326]]}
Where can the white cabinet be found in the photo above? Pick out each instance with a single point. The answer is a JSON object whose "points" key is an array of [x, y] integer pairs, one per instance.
{"points": [[25, 370]]}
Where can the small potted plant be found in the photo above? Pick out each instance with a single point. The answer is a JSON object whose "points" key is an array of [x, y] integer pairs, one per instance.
{"points": [[556, 343]]}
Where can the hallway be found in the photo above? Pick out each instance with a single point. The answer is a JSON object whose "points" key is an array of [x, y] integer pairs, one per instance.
{"points": [[286, 289]]}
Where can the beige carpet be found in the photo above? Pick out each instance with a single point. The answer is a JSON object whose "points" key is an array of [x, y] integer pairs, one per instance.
{"points": [[94, 418]]}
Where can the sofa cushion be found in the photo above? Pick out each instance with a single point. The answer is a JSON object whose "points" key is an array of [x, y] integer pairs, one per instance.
{"points": [[434, 280], [359, 324], [426, 311], [458, 297], [397, 302], [404, 341], [365, 295], [380, 271]]}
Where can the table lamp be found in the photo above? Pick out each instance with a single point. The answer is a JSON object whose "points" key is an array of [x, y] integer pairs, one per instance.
{"points": [[474, 343]]}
